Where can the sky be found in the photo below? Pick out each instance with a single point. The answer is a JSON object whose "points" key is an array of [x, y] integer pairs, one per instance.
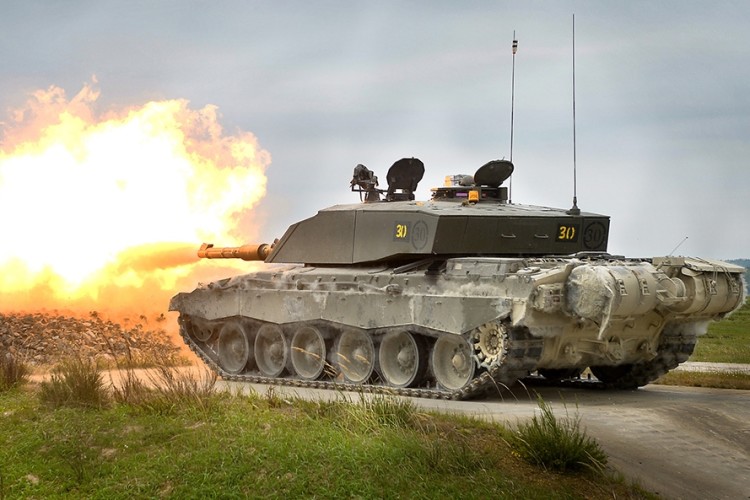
{"points": [[662, 97]]}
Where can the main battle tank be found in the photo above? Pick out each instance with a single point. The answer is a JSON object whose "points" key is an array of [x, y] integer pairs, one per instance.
{"points": [[451, 297]]}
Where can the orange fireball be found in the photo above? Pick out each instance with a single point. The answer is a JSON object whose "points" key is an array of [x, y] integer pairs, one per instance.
{"points": [[112, 207]]}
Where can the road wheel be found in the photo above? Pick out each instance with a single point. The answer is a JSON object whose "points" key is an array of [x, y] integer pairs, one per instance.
{"points": [[452, 361], [308, 353], [403, 359], [355, 356], [234, 348], [271, 350]]}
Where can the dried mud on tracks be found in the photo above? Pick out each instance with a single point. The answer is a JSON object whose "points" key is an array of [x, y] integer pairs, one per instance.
{"points": [[44, 339]]}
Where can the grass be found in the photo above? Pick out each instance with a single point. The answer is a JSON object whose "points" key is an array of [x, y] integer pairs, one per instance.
{"points": [[170, 435], [164, 388], [727, 341], [557, 443], [13, 371], [76, 382], [716, 380], [211, 444], [161, 385]]}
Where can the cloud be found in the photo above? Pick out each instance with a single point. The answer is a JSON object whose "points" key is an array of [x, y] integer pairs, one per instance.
{"points": [[662, 106]]}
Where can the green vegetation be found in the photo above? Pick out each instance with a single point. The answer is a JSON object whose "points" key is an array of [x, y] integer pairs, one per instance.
{"points": [[169, 434], [727, 341], [166, 388], [717, 380], [557, 443], [185, 441], [76, 383]]}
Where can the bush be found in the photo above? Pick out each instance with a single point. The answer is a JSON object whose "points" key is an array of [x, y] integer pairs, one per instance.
{"points": [[13, 372], [75, 383], [557, 444]]}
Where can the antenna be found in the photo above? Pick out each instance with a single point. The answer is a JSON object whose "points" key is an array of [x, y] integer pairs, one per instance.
{"points": [[678, 245], [512, 107], [574, 210]]}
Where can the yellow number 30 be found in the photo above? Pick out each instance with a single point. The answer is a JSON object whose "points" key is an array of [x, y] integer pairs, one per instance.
{"points": [[566, 233], [401, 230]]}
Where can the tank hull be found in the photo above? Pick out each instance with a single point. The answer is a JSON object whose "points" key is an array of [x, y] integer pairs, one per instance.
{"points": [[458, 327]]}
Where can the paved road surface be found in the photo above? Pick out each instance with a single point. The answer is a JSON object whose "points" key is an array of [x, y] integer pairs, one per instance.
{"points": [[680, 442]]}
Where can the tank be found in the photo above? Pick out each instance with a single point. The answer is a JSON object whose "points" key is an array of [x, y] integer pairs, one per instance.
{"points": [[451, 297]]}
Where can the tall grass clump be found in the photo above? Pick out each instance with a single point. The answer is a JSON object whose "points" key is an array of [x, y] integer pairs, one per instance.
{"points": [[75, 383], [390, 411], [13, 372], [558, 444], [158, 383], [163, 389], [130, 388], [372, 412], [173, 387]]}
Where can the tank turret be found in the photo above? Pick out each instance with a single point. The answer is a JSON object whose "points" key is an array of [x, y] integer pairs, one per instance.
{"points": [[471, 217], [450, 297]]}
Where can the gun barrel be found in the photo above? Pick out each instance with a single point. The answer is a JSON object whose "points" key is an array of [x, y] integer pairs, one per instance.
{"points": [[244, 252]]}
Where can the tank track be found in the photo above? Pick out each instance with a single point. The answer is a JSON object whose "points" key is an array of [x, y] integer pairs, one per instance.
{"points": [[521, 354], [675, 347]]}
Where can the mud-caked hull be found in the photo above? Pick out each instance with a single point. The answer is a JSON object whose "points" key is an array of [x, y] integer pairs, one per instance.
{"points": [[455, 328]]}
